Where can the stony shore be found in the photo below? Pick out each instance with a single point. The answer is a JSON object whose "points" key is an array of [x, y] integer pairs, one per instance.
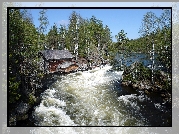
{"points": [[139, 78], [20, 113]]}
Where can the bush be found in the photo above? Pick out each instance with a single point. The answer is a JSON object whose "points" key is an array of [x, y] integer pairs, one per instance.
{"points": [[31, 99], [136, 72], [14, 94]]}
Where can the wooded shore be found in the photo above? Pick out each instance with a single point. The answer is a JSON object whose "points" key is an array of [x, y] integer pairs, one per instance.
{"points": [[139, 78]]}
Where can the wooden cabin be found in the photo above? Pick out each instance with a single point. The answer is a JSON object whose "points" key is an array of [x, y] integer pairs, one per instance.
{"points": [[58, 61]]}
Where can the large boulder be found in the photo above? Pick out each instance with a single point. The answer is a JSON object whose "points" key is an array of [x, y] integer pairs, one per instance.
{"points": [[22, 108]]}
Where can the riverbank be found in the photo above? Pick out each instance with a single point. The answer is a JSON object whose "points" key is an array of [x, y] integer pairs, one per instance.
{"points": [[75, 99], [96, 98], [78, 85], [140, 79], [20, 113]]}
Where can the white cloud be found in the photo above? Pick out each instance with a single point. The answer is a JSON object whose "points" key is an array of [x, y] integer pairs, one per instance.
{"points": [[63, 22]]}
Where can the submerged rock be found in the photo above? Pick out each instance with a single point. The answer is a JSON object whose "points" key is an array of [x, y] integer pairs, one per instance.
{"points": [[135, 85], [20, 113], [22, 108]]}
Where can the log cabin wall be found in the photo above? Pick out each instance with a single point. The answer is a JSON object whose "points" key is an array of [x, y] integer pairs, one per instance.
{"points": [[54, 64], [73, 67], [58, 60]]}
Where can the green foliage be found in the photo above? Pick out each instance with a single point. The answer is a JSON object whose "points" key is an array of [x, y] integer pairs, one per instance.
{"points": [[143, 72], [137, 72], [31, 99], [122, 41], [53, 37], [42, 27], [13, 90], [43, 21], [72, 32], [128, 78], [15, 25], [121, 38], [163, 79], [119, 48], [90, 35], [23, 48], [62, 36], [157, 30], [154, 30]]}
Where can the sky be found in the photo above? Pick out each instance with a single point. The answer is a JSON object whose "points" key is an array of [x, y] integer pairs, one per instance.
{"points": [[129, 20]]}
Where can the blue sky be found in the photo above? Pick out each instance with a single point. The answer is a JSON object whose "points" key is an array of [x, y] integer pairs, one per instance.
{"points": [[129, 20]]}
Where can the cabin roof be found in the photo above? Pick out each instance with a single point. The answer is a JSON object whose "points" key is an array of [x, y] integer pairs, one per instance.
{"points": [[56, 54]]}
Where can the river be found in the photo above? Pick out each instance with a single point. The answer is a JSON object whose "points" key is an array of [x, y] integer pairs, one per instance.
{"points": [[96, 98]]}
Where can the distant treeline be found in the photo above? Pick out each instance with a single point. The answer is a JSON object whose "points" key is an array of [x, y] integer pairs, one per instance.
{"points": [[89, 38]]}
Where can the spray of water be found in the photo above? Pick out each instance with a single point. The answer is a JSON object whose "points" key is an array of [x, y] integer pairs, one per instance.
{"points": [[88, 99]]}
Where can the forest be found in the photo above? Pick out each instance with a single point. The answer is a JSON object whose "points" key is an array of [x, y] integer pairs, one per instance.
{"points": [[87, 38]]}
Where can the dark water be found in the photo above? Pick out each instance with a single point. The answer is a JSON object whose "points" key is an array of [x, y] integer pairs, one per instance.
{"points": [[145, 59]]}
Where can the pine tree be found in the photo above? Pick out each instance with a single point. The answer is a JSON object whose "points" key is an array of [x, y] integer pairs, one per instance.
{"points": [[42, 27], [53, 37]]}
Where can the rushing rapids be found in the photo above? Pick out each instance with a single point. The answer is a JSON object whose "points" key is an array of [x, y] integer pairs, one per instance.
{"points": [[96, 98]]}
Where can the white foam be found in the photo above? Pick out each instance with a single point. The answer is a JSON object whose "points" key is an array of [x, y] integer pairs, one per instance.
{"points": [[52, 116], [130, 100], [94, 101], [91, 130]]}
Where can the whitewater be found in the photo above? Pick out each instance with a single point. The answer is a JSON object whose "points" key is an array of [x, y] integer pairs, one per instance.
{"points": [[91, 98]]}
